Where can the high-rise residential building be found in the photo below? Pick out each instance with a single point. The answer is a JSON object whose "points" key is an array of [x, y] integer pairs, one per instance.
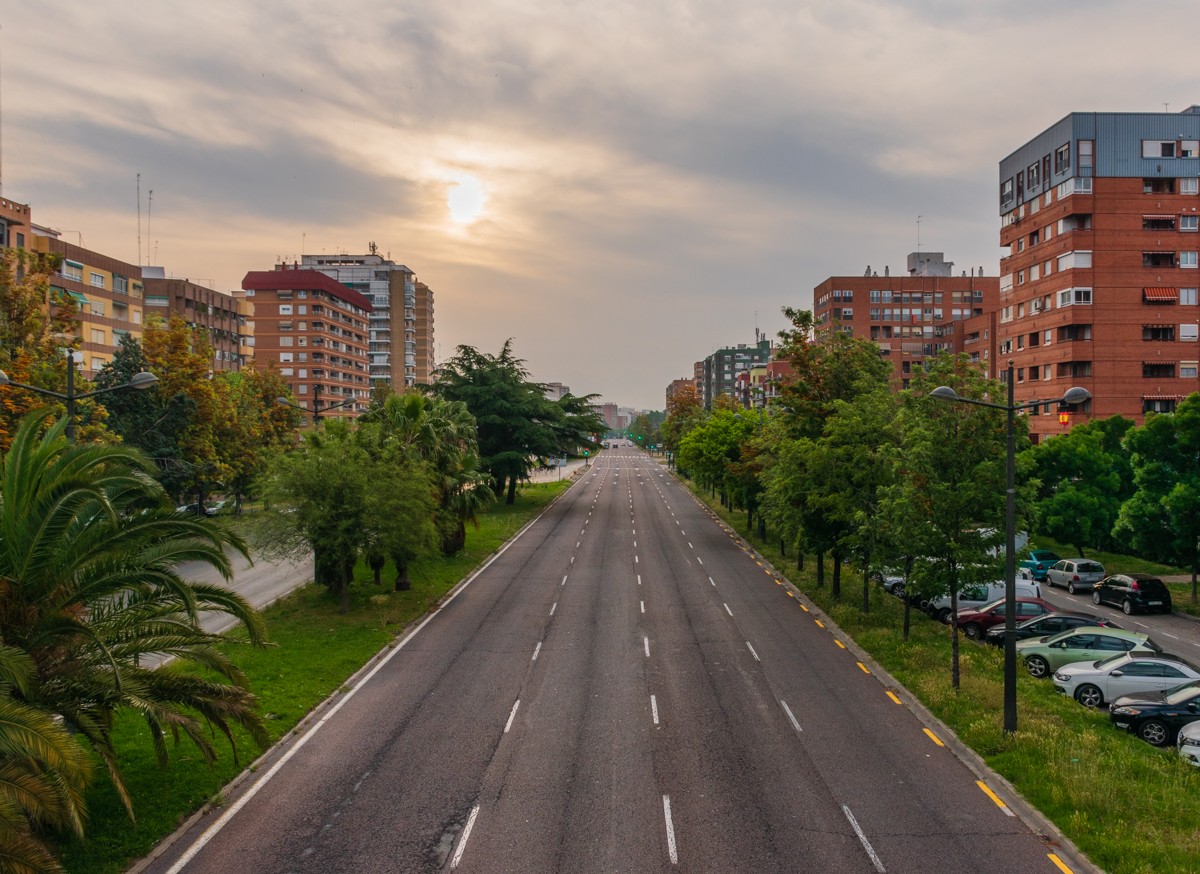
{"points": [[678, 386], [227, 319], [720, 369], [556, 391], [315, 331], [911, 315], [106, 290], [1100, 228], [15, 224], [401, 335]]}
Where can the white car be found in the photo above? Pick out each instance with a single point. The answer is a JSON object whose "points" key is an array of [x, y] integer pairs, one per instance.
{"points": [[1075, 574], [1189, 743], [1092, 683]]}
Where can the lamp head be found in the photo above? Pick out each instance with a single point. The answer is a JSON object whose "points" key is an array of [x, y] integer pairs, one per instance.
{"points": [[3, 378], [945, 393], [283, 402], [143, 380], [1076, 395]]}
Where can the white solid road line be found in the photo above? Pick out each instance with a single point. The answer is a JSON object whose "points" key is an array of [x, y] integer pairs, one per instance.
{"points": [[752, 652], [711, 580], [537, 649], [639, 576], [654, 708], [512, 716], [863, 838], [646, 643], [564, 582], [553, 607], [791, 716], [643, 603], [462, 843], [672, 851], [727, 610]]}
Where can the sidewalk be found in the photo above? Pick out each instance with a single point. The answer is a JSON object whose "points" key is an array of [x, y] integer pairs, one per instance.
{"points": [[550, 474]]}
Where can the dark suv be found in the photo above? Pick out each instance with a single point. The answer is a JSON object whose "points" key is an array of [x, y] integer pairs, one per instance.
{"points": [[1133, 592], [1052, 623]]}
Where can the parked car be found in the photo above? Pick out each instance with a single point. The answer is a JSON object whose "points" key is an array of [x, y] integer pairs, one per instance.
{"points": [[1038, 563], [1157, 717], [219, 507], [189, 508], [1130, 673], [978, 594], [1044, 655], [1075, 574], [975, 622], [1189, 743], [1133, 592], [1049, 625], [891, 580]]}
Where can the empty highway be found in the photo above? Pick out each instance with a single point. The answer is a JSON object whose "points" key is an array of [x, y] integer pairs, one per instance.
{"points": [[622, 689]]}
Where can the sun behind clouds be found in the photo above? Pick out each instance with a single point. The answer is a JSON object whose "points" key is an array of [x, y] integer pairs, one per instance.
{"points": [[465, 199]]}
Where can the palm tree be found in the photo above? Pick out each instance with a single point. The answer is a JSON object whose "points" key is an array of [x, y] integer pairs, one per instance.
{"points": [[89, 547], [43, 772]]}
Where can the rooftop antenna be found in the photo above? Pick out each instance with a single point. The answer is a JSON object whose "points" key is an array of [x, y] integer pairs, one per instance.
{"points": [[149, 209], [1165, 105], [139, 207]]}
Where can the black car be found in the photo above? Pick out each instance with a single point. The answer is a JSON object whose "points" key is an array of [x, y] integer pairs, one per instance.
{"points": [[1133, 592], [1051, 623], [1156, 717]]}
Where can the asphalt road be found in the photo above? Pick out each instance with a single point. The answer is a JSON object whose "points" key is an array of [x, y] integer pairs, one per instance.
{"points": [[623, 689]]}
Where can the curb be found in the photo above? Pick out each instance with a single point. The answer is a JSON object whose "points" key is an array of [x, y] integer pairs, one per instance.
{"points": [[1034, 819]]}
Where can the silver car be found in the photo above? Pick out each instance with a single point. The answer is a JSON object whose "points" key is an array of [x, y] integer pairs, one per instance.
{"points": [[1075, 574], [1189, 744], [1129, 673]]}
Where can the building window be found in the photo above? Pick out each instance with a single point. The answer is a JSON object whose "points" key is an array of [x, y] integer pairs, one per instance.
{"points": [[285, 309], [1189, 223], [1085, 150], [285, 357], [1158, 186], [1032, 179], [120, 283], [1188, 296], [1158, 148], [1188, 333], [1158, 259], [72, 270], [1158, 332], [1189, 369], [1187, 259], [1189, 149], [1062, 158], [97, 336], [1006, 192], [1189, 186], [1157, 370], [1158, 223], [1071, 296], [97, 307], [1158, 405]]}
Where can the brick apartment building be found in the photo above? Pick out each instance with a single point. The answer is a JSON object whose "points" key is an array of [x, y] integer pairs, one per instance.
{"points": [[315, 330], [228, 320], [1099, 227], [911, 316], [401, 332], [720, 369], [677, 386]]}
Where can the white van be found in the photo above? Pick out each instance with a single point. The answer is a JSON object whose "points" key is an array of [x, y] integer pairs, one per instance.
{"points": [[976, 595]]}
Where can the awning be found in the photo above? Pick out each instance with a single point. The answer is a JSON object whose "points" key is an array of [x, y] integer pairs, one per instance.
{"points": [[1163, 397], [1160, 293], [1159, 218], [79, 298]]}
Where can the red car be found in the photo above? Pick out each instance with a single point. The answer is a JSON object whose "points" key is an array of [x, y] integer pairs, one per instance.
{"points": [[975, 623]]}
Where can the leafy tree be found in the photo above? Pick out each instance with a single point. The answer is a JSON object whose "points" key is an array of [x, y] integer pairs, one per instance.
{"points": [[1080, 487], [89, 556], [951, 488], [708, 449], [1162, 518], [644, 432], [517, 424], [252, 427], [36, 321], [684, 412]]}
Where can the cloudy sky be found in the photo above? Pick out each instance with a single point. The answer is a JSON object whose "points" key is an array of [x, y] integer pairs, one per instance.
{"points": [[621, 186]]}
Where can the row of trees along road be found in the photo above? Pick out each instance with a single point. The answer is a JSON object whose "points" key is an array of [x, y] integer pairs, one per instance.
{"points": [[844, 468]]}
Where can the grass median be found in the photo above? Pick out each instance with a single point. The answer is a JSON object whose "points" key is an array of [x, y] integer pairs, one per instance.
{"points": [[315, 649], [1132, 808]]}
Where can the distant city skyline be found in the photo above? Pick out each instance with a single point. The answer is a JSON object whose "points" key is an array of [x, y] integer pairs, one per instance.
{"points": [[621, 188]]}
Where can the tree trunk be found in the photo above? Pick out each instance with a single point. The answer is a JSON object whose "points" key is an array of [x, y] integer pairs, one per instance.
{"points": [[403, 583], [820, 569], [376, 562], [512, 491], [836, 589], [799, 557], [455, 539], [782, 547], [762, 528]]}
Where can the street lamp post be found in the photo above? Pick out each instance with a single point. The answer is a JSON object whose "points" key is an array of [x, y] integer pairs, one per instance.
{"points": [[142, 380], [316, 407], [1076, 395]]}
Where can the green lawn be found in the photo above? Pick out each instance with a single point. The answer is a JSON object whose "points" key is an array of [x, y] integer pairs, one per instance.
{"points": [[315, 649], [1132, 808]]}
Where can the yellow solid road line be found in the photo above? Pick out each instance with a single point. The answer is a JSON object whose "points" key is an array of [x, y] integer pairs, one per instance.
{"points": [[933, 737], [864, 667], [992, 795], [819, 623], [1062, 866], [805, 609], [892, 695], [839, 643]]}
